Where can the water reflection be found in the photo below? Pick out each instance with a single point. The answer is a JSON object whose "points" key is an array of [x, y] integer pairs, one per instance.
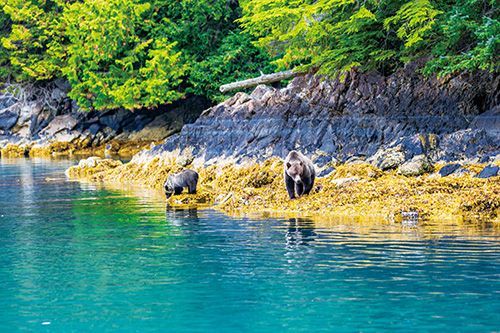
{"points": [[180, 216], [90, 257], [300, 231]]}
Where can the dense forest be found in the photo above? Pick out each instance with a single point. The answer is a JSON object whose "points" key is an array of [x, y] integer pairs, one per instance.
{"points": [[143, 53]]}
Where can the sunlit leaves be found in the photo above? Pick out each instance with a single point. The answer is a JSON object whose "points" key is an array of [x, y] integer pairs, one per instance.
{"points": [[334, 36]]}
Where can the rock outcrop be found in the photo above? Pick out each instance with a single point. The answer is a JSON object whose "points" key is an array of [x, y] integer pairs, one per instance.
{"points": [[386, 120], [45, 119]]}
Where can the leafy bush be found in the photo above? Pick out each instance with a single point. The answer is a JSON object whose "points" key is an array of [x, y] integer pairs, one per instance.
{"points": [[34, 45], [113, 63]]}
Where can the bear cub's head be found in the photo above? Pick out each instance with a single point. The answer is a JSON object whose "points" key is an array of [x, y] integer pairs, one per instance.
{"points": [[169, 188]]}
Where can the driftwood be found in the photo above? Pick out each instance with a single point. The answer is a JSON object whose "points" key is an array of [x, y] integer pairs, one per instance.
{"points": [[263, 79]]}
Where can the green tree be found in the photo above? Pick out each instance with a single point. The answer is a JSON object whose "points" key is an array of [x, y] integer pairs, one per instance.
{"points": [[113, 62], [129, 54], [35, 42], [334, 36]]}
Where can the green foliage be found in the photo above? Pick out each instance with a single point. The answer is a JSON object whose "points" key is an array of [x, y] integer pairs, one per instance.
{"points": [[470, 40], [35, 42], [110, 65], [143, 53], [4, 53], [130, 54], [335, 36], [235, 59]]}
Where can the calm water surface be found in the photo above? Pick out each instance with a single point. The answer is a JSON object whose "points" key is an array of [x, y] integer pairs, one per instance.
{"points": [[74, 257]]}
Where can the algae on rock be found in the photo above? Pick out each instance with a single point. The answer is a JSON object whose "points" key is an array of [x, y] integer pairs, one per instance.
{"points": [[258, 187]]}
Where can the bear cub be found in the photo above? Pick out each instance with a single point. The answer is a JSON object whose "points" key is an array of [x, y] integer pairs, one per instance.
{"points": [[299, 174], [176, 182]]}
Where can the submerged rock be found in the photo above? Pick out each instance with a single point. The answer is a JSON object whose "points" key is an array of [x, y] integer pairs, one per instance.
{"points": [[488, 172]]}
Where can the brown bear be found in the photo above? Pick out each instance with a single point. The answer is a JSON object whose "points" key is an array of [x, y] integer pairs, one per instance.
{"points": [[299, 174], [176, 182]]}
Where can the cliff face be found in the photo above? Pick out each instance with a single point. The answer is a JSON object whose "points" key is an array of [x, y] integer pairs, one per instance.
{"points": [[364, 116]]}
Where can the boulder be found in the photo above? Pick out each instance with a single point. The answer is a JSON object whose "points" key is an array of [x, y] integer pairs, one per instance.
{"points": [[260, 91], [386, 159], [417, 166], [66, 136], [90, 162], [8, 118], [488, 171], [60, 123]]}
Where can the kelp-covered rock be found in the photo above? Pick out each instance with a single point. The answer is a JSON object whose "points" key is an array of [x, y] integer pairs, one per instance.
{"points": [[360, 190], [92, 167], [445, 119]]}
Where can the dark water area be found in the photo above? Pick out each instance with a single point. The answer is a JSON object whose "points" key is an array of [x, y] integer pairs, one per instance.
{"points": [[79, 257]]}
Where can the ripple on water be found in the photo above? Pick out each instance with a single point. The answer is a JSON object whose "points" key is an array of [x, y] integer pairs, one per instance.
{"points": [[80, 257]]}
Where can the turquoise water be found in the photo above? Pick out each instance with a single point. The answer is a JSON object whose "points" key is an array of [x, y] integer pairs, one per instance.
{"points": [[77, 258]]}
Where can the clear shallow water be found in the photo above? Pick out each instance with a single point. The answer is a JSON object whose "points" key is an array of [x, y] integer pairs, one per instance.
{"points": [[74, 257]]}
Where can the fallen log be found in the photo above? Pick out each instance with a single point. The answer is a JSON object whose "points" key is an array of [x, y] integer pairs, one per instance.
{"points": [[263, 79]]}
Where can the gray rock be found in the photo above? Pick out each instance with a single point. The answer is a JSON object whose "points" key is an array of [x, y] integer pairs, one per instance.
{"points": [[7, 100], [417, 166], [60, 123], [66, 136], [260, 91], [386, 159], [462, 172], [355, 160], [94, 128], [488, 171], [449, 169], [8, 119], [323, 160], [394, 117]]}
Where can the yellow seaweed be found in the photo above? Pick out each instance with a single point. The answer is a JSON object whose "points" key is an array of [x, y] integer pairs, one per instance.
{"points": [[353, 190]]}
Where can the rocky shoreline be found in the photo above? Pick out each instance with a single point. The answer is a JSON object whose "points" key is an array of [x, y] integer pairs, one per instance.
{"points": [[43, 121], [383, 145], [355, 189], [384, 120]]}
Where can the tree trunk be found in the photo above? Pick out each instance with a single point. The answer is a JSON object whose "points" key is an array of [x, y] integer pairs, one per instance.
{"points": [[263, 79]]}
